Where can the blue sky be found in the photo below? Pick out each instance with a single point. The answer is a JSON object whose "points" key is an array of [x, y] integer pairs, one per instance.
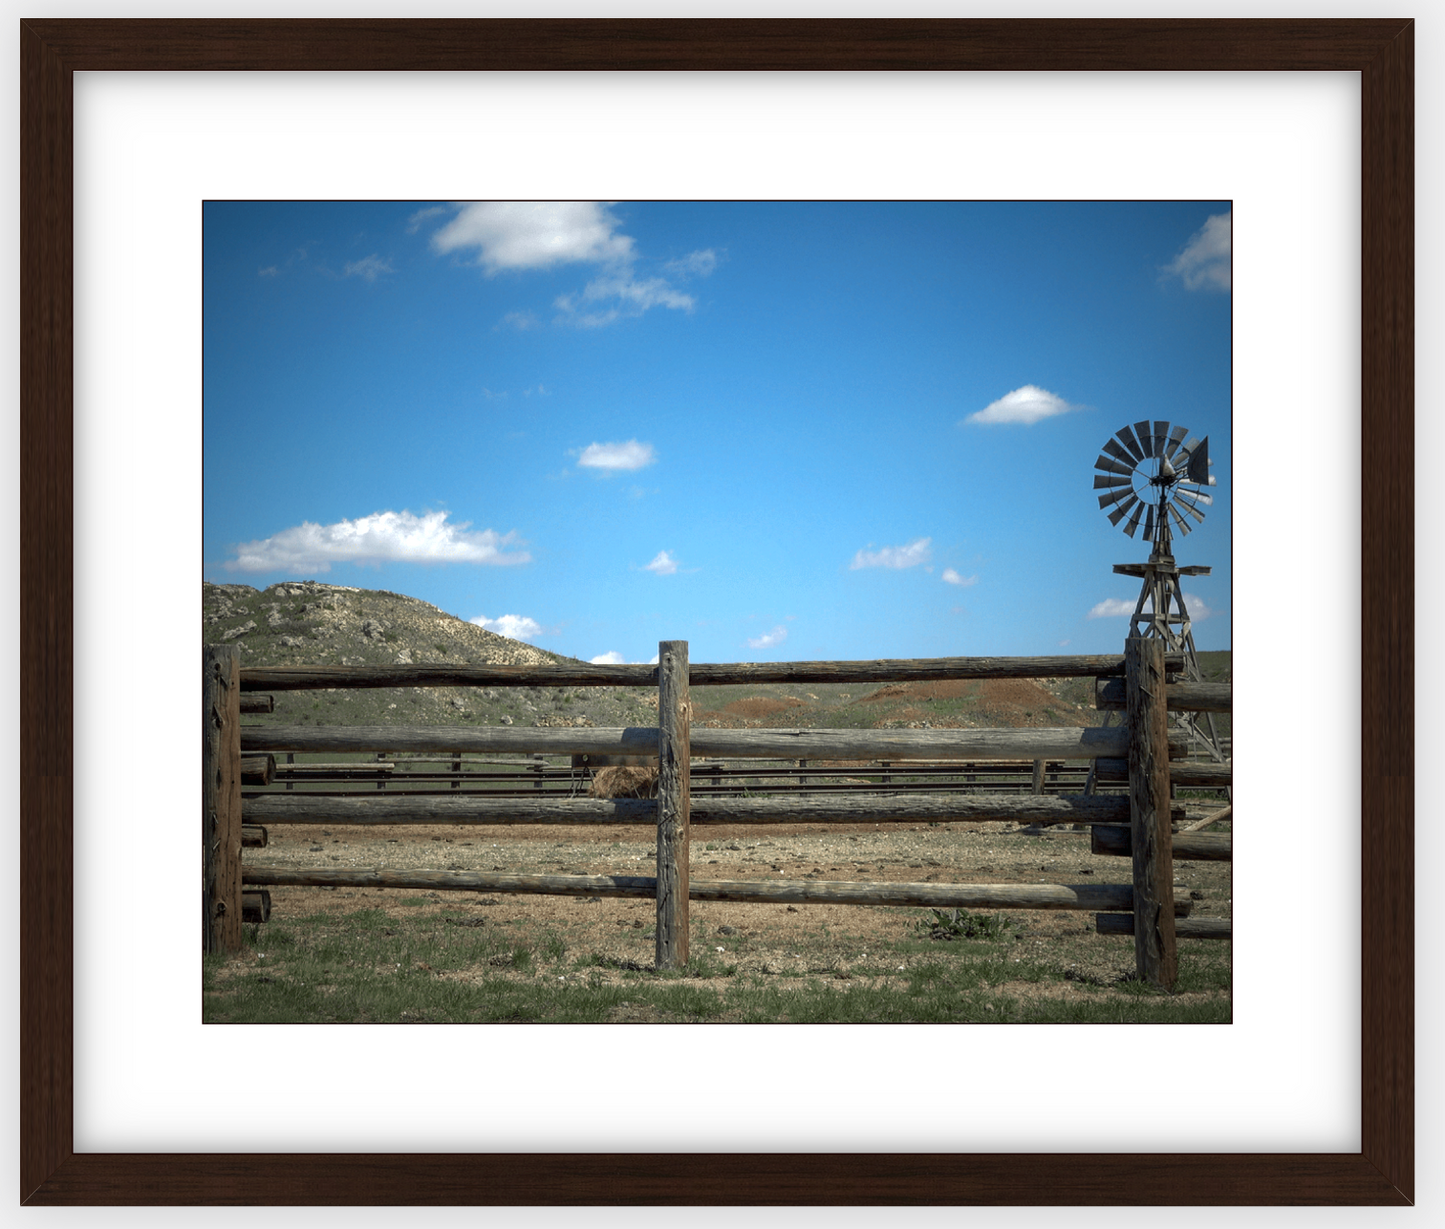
{"points": [[779, 431]]}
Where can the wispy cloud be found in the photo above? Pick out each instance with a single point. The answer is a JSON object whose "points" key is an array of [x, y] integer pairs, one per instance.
{"points": [[413, 223], [371, 267], [1110, 607], [953, 578], [617, 296], [663, 565], [268, 271], [514, 627], [382, 537], [914, 553], [1027, 405], [694, 264], [768, 639], [612, 457], [1204, 264], [520, 320]]}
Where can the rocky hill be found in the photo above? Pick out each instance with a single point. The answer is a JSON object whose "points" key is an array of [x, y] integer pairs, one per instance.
{"points": [[310, 623]]}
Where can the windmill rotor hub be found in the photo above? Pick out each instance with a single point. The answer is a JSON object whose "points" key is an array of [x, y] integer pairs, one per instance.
{"points": [[1152, 476]]}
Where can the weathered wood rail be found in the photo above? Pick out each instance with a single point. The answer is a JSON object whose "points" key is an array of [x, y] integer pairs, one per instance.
{"points": [[1137, 753]]}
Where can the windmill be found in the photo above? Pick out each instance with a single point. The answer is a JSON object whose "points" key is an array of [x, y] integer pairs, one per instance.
{"points": [[1152, 477]]}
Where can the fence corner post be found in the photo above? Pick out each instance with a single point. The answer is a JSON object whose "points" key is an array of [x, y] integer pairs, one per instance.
{"points": [[221, 799], [1148, 722], [674, 720]]}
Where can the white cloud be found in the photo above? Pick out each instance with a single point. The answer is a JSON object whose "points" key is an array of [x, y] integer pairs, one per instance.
{"points": [[507, 235], [534, 234], [1114, 607], [1110, 607], [370, 268], [663, 565], [1026, 405], [520, 320], [953, 578], [694, 264], [1205, 261], [629, 455], [914, 553], [382, 537], [268, 271], [514, 627], [768, 639], [610, 658]]}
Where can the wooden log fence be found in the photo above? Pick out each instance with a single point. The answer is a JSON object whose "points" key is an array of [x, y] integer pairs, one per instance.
{"points": [[1143, 746]]}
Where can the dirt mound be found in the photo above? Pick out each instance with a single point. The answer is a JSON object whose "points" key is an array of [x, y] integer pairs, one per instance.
{"points": [[762, 706], [1018, 703]]}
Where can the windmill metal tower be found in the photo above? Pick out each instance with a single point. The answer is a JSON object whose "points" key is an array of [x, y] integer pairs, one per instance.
{"points": [[1152, 473]]}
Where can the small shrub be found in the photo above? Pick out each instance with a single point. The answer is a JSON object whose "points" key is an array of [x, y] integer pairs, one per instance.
{"points": [[948, 924]]}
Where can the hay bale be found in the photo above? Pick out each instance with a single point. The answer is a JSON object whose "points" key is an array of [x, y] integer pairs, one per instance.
{"points": [[624, 783]]}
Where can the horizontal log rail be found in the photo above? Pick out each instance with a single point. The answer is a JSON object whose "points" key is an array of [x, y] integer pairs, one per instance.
{"points": [[1192, 774], [1184, 696], [1184, 927], [1082, 896], [1189, 846], [1046, 809], [1068, 743], [932, 669]]}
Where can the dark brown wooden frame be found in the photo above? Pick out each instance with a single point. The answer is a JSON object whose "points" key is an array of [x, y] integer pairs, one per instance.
{"points": [[1382, 51]]}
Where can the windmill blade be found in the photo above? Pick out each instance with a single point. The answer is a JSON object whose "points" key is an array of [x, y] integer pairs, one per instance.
{"points": [[1161, 436], [1192, 510], [1199, 497], [1149, 523], [1124, 505], [1103, 480], [1141, 430], [1172, 448], [1114, 497], [1119, 454], [1179, 520], [1110, 466], [1134, 520], [1127, 438]]}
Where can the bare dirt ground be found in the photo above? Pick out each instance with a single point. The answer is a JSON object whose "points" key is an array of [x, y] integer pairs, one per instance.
{"points": [[619, 930]]}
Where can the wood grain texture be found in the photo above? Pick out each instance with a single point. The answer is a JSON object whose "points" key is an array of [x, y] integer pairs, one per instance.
{"points": [[1115, 841], [1079, 896], [928, 669], [1381, 1173], [843, 809], [220, 809], [1068, 743], [1180, 697], [674, 715], [1147, 723]]}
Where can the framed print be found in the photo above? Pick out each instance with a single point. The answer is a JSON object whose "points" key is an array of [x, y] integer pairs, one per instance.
{"points": [[1377, 55]]}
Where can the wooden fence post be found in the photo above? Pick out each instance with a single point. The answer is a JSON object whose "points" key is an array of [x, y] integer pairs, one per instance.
{"points": [[674, 720], [1148, 722], [221, 799]]}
